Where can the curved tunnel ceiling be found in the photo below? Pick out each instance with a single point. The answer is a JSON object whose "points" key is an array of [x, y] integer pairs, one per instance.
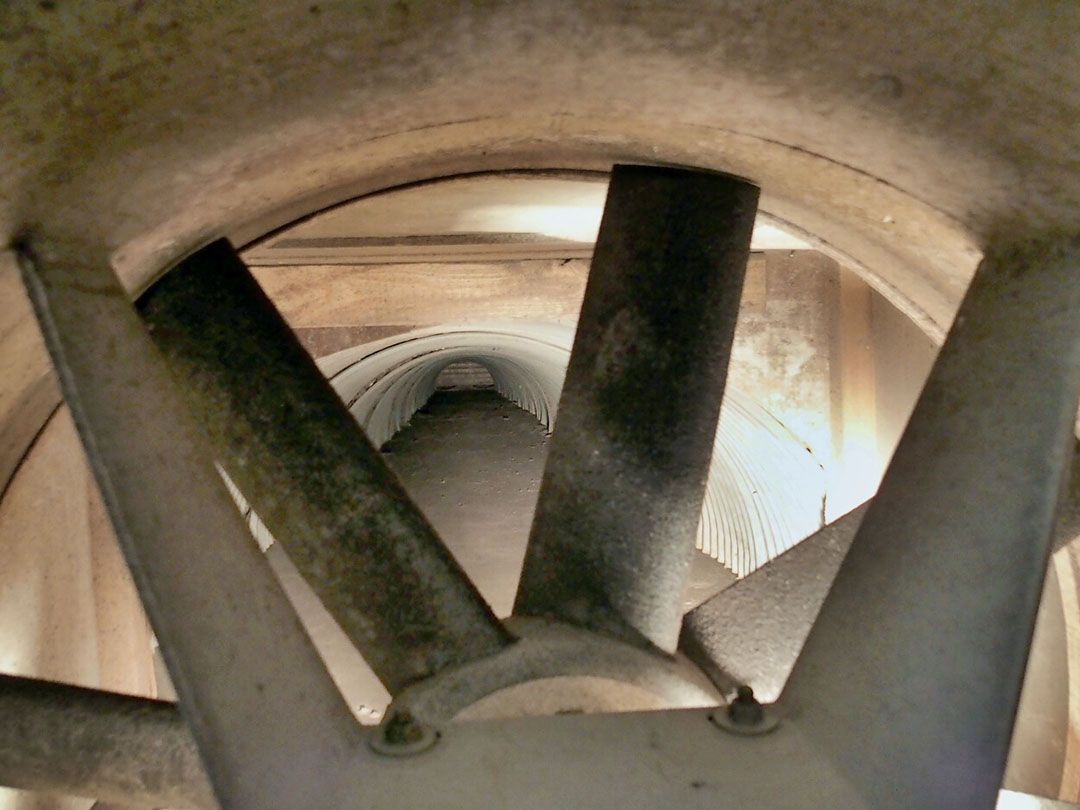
{"points": [[765, 491]]}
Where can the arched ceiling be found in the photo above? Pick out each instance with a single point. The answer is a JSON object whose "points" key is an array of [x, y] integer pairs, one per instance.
{"points": [[898, 136], [765, 490]]}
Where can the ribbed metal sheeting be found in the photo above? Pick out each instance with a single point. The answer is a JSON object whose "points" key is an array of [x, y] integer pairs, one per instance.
{"points": [[765, 490]]}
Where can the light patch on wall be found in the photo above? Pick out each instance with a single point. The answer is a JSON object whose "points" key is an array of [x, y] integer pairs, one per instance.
{"points": [[418, 222], [576, 223], [1011, 800], [581, 223]]}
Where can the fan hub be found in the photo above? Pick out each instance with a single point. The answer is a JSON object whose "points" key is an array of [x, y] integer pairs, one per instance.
{"points": [[555, 668]]}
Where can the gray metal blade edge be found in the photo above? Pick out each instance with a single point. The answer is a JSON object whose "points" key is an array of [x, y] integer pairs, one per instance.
{"points": [[270, 725], [751, 632], [134, 751], [305, 466], [910, 676], [621, 495]]}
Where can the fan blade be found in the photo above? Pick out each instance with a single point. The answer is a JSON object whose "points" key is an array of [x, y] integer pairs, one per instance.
{"points": [[1067, 526], [910, 677], [751, 632], [621, 496], [57, 738], [309, 472], [270, 725]]}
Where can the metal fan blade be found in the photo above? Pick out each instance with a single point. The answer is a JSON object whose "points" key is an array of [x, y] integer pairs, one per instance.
{"points": [[910, 677], [133, 751], [306, 467], [621, 496], [751, 632], [270, 725]]}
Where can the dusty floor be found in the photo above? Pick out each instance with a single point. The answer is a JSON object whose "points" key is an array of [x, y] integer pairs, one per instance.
{"points": [[473, 462]]}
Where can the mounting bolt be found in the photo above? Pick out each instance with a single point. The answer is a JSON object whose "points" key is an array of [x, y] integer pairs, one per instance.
{"points": [[402, 735], [402, 729], [745, 715], [745, 710]]}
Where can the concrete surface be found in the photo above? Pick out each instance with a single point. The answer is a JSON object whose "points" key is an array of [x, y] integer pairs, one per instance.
{"points": [[902, 136]]}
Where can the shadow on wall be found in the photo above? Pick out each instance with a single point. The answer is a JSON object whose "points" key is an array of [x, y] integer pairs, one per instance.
{"points": [[765, 490]]}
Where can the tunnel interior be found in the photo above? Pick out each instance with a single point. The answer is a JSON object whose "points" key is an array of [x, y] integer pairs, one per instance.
{"points": [[443, 315], [419, 195]]}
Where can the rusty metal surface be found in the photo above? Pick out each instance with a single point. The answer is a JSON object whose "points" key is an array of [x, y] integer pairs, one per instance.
{"points": [[299, 458], [910, 677], [132, 751], [621, 495], [269, 723]]}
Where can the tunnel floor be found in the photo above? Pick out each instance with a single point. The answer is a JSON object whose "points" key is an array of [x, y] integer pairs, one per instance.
{"points": [[473, 461]]}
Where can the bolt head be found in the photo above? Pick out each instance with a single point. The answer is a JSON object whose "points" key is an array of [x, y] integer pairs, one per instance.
{"points": [[402, 735]]}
